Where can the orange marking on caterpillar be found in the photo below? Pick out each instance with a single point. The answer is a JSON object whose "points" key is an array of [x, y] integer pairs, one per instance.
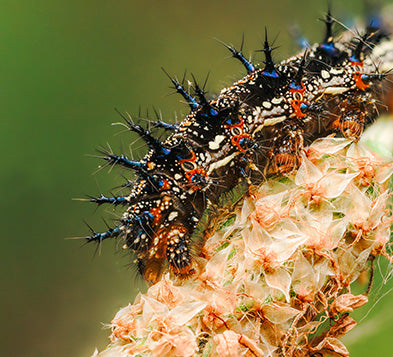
{"points": [[190, 174], [298, 90], [156, 212], [357, 76], [238, 125], [166, 185], [235, 140], [192, 159], [296, 105]]}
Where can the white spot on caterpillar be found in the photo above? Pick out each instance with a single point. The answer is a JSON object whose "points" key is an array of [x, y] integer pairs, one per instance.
{"points": [[274, 121], [221, 163], [269, 122], [336, 90], [325, 74], [267, 105], [177, 176], [172, 215], [215, 145], [336, 71]]}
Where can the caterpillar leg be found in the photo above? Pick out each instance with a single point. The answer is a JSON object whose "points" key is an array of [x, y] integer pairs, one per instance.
{"points": [[284, 154], [354, 116], [171, 246], [178, 251], [159, 233]]}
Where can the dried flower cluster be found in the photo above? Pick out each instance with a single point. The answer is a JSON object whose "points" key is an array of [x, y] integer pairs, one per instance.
{"points": [[278, 273]]}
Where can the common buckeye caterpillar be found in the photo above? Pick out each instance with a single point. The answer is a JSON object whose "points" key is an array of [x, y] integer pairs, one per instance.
{"points": [[255, 128]]}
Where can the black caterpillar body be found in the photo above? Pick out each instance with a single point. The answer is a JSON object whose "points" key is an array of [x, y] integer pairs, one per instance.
{"points": [[255, 128]]}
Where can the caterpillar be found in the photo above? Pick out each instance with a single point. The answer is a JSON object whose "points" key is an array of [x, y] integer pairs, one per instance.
{"points": [[253, 129]]}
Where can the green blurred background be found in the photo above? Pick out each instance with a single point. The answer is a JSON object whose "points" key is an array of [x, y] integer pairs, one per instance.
{"points": [[64, 66]]}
